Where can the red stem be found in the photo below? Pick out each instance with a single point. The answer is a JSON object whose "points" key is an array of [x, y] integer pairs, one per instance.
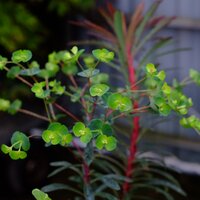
{"points": [[64, 110], [86, 169], [135, 131]]}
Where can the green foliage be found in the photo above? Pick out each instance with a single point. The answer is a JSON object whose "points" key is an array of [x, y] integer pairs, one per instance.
{"points": [[40, 92], [56, 87], [34, 70], [119, 102], [14, 107], [164, 98], [109, 142], [81, 131], [13, 72], [20, 140], [40, 195], [191, 122], [89, 62], [88, 73], [18, 25], [195, 76], [61, 7], [11, 108], [3, 61], [98, 90], [100, 109], [19, 145], [69, 69], [100, 78], [57, 133], [101, 105], [50, 70], [103, 55], [21, 56], [4, 104], [151, 69]]}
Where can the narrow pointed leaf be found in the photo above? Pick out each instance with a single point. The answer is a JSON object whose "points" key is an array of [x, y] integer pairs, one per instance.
{"points": [[59, 186], [150, 12], [118, 25]]}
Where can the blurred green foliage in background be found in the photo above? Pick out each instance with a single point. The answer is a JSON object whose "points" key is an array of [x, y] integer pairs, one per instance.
{"points": [[20, 25]]}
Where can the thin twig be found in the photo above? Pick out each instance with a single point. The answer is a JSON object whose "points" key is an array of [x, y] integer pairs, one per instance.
{"points": [[33, 114], [66, 112], [50, 104]]}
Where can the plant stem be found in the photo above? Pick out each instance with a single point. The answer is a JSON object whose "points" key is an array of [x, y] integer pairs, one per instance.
{"points": [[86, 173], [20, 78], [83, 103], [47, 110], [71, 78], [33, 114], [50, 104], [66, 112], [135, 131]]}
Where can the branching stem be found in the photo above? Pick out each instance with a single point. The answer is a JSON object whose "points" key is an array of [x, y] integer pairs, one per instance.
{"points": [[34, 114]]}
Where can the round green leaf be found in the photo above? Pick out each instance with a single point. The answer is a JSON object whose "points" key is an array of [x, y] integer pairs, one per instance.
{"points": [[89, 62], [56, 87], [151, 69], [39, 91], [52, 68], [166, 88], [58, 128], [119, 102], [20, 140], [69, 69], [51, 137], [4, 104], [111, 143], [96, 124], [164, 109], [3, 62], [15, 155], [114, 101], [98, 89], [14, 107], [74, 50], [57, 133], [79, 129], [87, 136], [125, 104], [66, 139], [184, 122], [13, 72], [103, 55], [107, 130], [195, 76], [100, 78], [21, 56], [5, 149], [101, 141], [161, 75]]}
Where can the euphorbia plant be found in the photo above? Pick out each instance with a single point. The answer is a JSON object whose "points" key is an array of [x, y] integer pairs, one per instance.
{"points": [[101, 105]]}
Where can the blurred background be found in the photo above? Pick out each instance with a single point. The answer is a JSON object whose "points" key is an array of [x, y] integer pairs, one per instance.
{"points": [[44, 26]]}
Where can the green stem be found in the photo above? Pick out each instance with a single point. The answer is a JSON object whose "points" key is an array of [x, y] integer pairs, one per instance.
{"points": [[47, 110], [50, 104]]}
